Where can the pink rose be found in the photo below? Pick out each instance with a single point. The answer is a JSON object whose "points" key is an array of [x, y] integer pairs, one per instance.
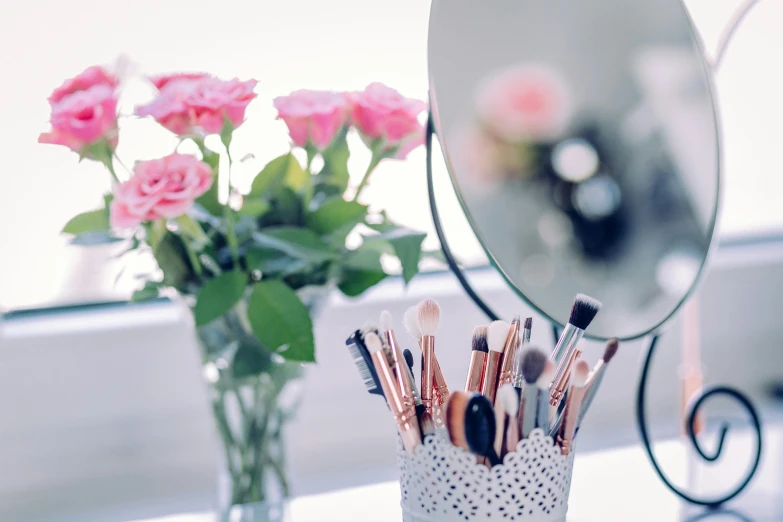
{"points": [[90, 77], [161, 81], [83, 118], [161, 188], [198, 103], [527, 103], [382, 113], [313, 117]]}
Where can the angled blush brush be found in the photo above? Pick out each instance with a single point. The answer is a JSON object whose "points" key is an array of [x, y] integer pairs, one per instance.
{"points": [[596, 376], [496, 340]]}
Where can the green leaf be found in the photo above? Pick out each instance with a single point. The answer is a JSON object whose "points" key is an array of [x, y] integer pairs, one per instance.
{"points": [[88, 222], [192, 229], [299, 243], [273, 263], [150, 291], [171, 257], [407, 247], [335, 171], [218, 296], [250, 360], [361, 270], [336, 214], [254, 207], [283, 170], [209, 200], [156, 231], [281, 321]]}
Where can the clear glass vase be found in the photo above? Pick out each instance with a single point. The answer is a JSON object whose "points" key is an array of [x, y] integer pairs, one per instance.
{"points": [[254, 393]]}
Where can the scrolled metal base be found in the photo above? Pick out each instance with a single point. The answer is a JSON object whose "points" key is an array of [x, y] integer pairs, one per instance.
{"points": [[693, 411]]}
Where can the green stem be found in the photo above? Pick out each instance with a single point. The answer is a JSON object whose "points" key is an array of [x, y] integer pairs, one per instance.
{"points": [[377, 156], [194, 262], [110, 166], [231, 234]]}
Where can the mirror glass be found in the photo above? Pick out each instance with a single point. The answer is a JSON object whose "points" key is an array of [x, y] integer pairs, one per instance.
{"points": [[582, 141]]}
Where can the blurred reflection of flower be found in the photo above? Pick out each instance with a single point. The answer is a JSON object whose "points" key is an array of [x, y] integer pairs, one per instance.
{"points": [[488, 160], [527, 103]]}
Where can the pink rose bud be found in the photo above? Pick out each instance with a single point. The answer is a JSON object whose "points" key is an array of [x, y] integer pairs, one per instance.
{"points": [[194, 103], [161, 188], [382, 113], [90, 77], [313, 117], [84, 117], [526, 103], [165, 79]]}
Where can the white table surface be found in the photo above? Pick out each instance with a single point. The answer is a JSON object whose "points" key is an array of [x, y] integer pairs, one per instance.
{"points": [[612, 485]]}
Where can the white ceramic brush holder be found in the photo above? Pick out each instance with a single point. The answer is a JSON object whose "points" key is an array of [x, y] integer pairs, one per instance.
{"points": [[443, 483]]}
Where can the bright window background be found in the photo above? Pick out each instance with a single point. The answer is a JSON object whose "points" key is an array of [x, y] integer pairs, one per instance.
{"points": [[340, 45]]}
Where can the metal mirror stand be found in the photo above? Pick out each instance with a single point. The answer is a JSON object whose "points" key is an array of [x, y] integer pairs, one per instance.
{"points": [[640, 404]]}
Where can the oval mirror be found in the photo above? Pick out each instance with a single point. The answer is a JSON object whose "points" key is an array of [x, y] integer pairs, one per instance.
{"points": [[582, 141]]}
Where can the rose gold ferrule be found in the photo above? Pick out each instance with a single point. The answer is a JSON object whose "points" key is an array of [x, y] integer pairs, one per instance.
{"points": [[427, 344], [400, 370], [489, 384], [509, 349], [441, 395], [565, 435], [562, 376], [475, 371], [405, 417]]}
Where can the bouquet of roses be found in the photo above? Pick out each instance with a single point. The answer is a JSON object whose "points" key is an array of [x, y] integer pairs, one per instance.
{"points": [[250, 255]]}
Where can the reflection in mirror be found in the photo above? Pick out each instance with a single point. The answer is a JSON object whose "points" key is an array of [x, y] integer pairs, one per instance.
{"points": [[583, 167]]}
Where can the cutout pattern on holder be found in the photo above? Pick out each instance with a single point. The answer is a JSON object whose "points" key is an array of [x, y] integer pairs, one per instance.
{"points": [[443, 483]]}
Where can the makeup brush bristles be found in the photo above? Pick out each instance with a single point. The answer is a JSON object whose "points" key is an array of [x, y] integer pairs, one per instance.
{"points": [[479, 342], [533, 364], [611, 349], [509, 401], [580, 373], [386, 322], [584, 311], [428, 317], [411, 322], [528, 323], [373, 343], [545, 379], [496, 335]]}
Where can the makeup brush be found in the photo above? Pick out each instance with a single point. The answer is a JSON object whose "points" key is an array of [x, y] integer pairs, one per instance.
{"points": [[496, 340], [543, 383], [583, 312], [596, 376], [404, 416], [534, 362], [361, 358], [455, 419], [480, 428], [426, 425], [400, 366], [478, 358], [527, 330], [562, 378], [509, 401], [510, 349], [428, 314], [408, 356], [576, 393]]}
